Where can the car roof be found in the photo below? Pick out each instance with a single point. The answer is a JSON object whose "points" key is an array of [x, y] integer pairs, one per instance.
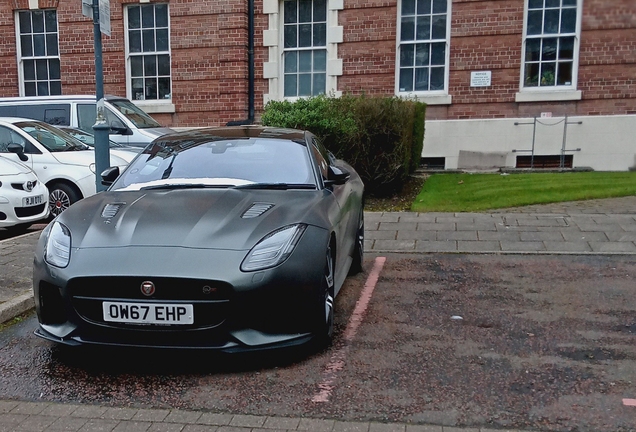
{"points": [[221, 133], [64, 98]]}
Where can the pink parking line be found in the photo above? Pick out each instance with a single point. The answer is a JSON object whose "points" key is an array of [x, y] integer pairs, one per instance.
{"points": [[337, 361], [629, 402]]}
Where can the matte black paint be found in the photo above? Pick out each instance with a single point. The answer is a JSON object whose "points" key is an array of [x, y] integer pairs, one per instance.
{"points": [[199, 234]]}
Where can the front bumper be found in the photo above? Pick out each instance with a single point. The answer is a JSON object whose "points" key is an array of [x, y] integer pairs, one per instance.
{"points": [[11, 210], [236, 311]]}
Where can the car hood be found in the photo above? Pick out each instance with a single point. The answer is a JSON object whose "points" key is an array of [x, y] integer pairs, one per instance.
{"points": [[9, 167], [156, 132], [229, 219], [84, 158]]}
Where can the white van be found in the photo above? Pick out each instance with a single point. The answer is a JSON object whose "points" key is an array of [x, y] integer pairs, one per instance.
{"points": [[128, 123]]}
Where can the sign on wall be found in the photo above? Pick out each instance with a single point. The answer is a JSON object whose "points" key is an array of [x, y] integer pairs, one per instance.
{"points": [[480, 79]]}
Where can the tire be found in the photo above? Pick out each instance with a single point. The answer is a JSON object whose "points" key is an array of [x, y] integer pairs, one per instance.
{"points": [[325, 306], [358, 251], [61, 197]]}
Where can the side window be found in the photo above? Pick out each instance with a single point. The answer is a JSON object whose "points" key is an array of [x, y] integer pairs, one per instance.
{"points": [[86, 114], [7, 136], [320, 155], [57, 116]]}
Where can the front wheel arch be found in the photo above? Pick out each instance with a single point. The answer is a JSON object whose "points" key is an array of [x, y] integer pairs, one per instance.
{"points": [[325, 305]]}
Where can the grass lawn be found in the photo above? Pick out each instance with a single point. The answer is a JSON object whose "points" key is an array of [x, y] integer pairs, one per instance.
{"points": [[478, 192]]}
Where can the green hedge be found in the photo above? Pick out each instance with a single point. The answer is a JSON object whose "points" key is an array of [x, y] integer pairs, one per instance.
{"points": [[381, 137]]}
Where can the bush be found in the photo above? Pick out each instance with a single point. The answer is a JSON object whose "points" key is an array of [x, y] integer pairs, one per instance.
{"points": [[380, 137]]}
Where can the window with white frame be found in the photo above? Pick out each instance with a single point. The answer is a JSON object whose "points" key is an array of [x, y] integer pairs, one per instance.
{"points": [[423, 46], [38, 53], [148, 52], [551, 44], [304, 47]]}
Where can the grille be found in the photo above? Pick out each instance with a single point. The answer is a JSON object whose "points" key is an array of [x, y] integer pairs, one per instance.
{"points": [[210, 299], [29, 211]]}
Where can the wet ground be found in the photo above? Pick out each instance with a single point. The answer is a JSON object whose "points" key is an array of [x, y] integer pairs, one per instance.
{"points": [[545, 342]]}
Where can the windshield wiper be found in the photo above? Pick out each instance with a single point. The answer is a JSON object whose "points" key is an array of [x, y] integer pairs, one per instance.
{"points": [[186, 186], [276, 186]]}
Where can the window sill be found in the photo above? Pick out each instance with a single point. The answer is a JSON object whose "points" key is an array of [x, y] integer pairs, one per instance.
{"points": [[440, 99], [152, 107], [548, 96]]}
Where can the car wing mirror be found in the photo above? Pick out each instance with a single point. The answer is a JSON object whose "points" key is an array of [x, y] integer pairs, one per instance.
{"points": [[109, 175], [336, 176], [19, 150], [117, 127]]}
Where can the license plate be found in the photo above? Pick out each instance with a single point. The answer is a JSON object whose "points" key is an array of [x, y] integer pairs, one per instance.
{"points": [[148, 313], [31, 201]]}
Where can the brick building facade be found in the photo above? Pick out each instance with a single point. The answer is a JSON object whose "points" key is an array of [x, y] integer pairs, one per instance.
{"points": [[494, 73]]}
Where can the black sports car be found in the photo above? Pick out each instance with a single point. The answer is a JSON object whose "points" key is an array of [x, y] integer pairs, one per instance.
{"points": [[232, 239]]}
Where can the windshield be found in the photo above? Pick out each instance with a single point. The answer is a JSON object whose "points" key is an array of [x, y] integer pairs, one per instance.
{"points": [[54, 139], [88, 139], [222, 163], [135, 114]]}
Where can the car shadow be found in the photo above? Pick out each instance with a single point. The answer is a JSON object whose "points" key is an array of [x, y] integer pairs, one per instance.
{"points": [[146, 361]]}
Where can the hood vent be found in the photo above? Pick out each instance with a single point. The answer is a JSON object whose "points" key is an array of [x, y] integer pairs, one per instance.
{"points": [[111, 210], [256, 210]]}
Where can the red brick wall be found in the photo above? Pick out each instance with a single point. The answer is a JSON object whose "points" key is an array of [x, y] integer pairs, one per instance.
{"points": [[208, 47], [210, 63], [368, 48], [487, 35]]}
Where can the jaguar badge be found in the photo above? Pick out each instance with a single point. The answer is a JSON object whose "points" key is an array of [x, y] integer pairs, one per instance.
{"points": [[147, 288]]}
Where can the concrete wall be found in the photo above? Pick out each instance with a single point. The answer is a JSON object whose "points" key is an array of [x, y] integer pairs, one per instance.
{"points": [[607, 143]]}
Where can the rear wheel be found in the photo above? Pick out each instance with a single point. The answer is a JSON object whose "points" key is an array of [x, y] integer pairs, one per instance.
{"points": [[358, 251], [61, 197], [324, 328]]}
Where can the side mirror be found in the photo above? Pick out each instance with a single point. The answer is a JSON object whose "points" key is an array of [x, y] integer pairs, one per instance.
{"points": [[337, 176], [109, 175], [17, 149], [117, 127]]}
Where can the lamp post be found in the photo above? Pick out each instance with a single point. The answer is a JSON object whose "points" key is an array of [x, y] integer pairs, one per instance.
{"points": [[101, 127]]}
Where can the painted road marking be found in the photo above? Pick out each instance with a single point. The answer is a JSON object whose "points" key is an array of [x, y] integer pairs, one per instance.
{"points": [[337, 361], [629, 402]]}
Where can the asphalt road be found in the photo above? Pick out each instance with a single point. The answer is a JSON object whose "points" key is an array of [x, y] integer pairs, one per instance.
{"points": [[501, 341]]}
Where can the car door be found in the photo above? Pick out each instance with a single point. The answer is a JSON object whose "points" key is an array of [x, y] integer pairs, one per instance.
{"points": [[9, 136], [40, 160], [345, 222]]}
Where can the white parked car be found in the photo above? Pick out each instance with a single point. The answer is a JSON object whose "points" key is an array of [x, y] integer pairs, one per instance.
{"points": [[127, 153], [64, 164], [23, 199]]}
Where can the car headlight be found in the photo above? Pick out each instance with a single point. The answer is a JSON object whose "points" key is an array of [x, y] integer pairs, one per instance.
{"points": [[274, 248], [58, 246]]}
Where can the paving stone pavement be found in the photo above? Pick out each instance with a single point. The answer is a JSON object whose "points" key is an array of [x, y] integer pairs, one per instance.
{"points": [[54, 417], [587, 227]]}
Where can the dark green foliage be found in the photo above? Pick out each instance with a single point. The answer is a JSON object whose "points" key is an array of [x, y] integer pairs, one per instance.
{"points": [[381, 137], [418, 135]]}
